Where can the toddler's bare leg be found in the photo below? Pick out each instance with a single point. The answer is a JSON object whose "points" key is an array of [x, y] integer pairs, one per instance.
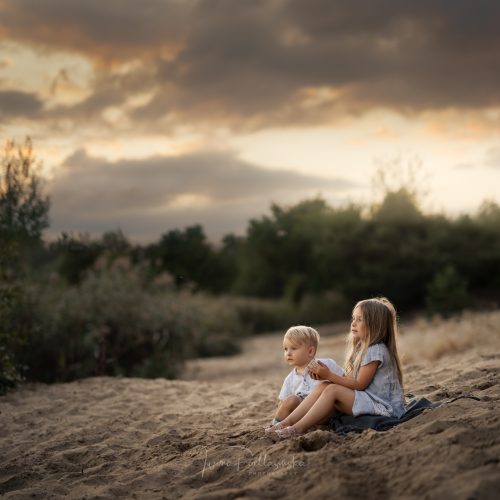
{"points": [[306, 405], [287, 406]]}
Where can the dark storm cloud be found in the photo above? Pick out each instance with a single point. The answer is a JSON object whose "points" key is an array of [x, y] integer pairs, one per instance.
{"points": [[216, 220], [140, 196], [149, 183], [254, 63], [15, 104], [110, 29]]}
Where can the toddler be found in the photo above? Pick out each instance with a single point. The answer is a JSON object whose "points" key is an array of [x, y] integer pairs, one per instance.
{"points": [[299, 348]]}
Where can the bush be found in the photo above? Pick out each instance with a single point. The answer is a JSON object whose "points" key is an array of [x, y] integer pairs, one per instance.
{"points": [[10, 374], [16, 323], [323, 308], [447, 293], [261, 315], [23, 216], [10, 369], [115, 323], [264, 315]]}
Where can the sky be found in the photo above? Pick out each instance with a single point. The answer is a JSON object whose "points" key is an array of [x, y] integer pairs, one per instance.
{"points": [[157, 115]]}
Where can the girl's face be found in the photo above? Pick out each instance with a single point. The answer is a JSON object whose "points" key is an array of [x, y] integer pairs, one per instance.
{"points": [[297, 354], [359, 330]]}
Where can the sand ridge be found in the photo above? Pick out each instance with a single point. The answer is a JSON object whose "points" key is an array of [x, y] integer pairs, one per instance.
{"points": [[202, 437]]}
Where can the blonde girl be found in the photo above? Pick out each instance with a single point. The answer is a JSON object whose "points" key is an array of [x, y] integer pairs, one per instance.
{"points": [[373, 380]]}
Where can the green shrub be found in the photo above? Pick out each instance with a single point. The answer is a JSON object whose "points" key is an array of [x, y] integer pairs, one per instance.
{"points": [[264, 315], [23, 216], [10, 338], [323, 308], [10, 374], [447, 293], [12, 321], [116, 323], [16, 324]]}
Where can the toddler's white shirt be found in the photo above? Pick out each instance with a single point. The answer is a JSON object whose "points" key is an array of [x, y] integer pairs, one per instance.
{"points": [[302, 385]]}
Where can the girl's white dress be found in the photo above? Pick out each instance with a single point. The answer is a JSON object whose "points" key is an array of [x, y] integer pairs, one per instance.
{"points": [[384, 395]]}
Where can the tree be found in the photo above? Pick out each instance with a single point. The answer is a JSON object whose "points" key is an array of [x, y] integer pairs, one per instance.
{"points": [[279, 256], [401, 174], [75, 255], [447, 293], [396, 206], [23, 208], [188, 257], [23, 216]]}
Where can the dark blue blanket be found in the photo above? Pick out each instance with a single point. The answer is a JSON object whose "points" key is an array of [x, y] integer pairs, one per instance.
{"points": [[347, 423]]}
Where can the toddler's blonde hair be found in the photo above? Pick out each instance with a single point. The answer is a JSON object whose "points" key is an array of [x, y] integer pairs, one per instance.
{"points": [[300, 334]]}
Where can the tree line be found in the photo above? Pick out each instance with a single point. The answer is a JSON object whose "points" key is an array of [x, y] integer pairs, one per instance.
{"points": [[393, 248], [308, 262]]}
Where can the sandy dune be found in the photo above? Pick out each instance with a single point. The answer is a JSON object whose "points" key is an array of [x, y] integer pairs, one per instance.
{"points": [[201, 437]]}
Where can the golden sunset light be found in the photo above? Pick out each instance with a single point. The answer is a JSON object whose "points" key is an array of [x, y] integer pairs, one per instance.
{"points": [[250, 249], [279, 88]]}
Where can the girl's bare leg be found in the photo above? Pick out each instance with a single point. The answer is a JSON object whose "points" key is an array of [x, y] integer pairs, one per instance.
{"points": [[332, 398], [305, 406]]}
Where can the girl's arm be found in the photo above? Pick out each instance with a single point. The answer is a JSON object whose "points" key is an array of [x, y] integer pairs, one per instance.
{"points": [[360, 383]]}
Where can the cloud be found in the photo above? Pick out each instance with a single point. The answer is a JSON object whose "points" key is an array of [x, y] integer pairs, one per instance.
{"points": [[19, 104], [269, 63], [146, 197], [108, 31], [465, 165], [492, 158]]}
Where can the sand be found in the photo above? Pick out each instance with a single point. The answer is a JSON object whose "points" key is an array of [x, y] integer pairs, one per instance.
{"points": [[201, 437]]}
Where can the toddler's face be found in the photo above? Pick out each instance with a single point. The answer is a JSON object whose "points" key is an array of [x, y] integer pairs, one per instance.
{"points": [[297, 354]]}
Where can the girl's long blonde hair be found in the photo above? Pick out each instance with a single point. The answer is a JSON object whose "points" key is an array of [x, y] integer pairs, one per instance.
{"points": [[380, 318]]}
